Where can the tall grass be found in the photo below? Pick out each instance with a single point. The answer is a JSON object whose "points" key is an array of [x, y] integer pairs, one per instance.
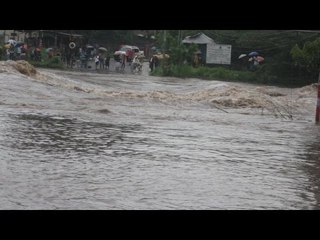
{"points": [[271, 74], [54, 62], [208, 73]]}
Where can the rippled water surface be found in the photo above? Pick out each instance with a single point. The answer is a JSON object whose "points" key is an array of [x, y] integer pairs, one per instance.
{"points": [[75, 140]]}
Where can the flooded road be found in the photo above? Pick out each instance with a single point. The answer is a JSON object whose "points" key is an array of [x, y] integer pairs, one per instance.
{"points": [[86, 140]]}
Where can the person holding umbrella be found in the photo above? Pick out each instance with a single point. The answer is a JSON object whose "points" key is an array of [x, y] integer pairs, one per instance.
{"points": [[83, 59], [107, 61], [243, 61], [253, 62], [123, 61], [49, 52], [97, 61]]}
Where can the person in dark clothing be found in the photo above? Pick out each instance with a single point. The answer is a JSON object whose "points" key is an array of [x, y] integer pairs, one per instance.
{"points": [[101, 61], [37, 54], [156, 61], [107, 61], [151, 64], [83, 59], [123, 61]]}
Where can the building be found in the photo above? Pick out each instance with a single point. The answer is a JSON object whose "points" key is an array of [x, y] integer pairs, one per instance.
{"points": [[202, 41], [211, 52], [43, 38], [16, 35]]}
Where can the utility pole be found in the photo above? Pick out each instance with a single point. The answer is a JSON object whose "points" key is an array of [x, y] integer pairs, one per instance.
{"points": [[164, 40], [55, 39]]}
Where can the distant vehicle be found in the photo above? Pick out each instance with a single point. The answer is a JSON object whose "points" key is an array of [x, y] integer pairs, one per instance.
{"points": [[129, 51]]}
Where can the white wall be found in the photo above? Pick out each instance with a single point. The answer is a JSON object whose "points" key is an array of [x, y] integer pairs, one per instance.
{"points": [[218, 54]]}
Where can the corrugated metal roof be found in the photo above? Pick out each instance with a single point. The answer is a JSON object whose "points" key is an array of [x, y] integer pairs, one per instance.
{"points": [[199, 38]]}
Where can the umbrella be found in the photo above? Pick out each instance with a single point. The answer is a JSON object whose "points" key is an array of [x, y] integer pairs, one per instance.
{"points": [[119, 53], [12, 42], [161, 56], [260, 59], [102, 49], [18, 44], [49, 49], [242, 56], [253, 54]]}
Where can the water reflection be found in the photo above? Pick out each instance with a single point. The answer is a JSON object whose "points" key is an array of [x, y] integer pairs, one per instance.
{"points": [[53, 134], [312, 166], [156, 148]]}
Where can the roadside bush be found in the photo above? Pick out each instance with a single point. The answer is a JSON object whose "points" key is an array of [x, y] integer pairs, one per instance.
{"points": [[208, 73], [54, 62], [284, 74]]}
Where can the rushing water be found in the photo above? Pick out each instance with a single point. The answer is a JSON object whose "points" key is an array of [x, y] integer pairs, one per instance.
{"points": [[75, 140]]}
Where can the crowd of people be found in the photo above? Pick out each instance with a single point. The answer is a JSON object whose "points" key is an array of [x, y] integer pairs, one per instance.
{"points": [[78, 57], [15, 50]]}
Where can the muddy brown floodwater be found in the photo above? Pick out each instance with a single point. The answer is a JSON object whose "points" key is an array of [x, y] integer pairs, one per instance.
{"points": [[87, 140]]}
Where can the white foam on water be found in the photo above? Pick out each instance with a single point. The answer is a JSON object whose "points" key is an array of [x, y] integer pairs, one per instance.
{"points": [[229, 95]]}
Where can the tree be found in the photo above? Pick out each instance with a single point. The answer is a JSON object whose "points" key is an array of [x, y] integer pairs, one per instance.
{"points": [[307, 57], [170, 42]]}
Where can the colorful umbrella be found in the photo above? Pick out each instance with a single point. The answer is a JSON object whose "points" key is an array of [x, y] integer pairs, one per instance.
{"points": [[260, 59], [253, 54]]}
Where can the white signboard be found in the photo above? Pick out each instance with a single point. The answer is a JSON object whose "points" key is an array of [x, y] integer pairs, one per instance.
{"points": [[218, 54]]}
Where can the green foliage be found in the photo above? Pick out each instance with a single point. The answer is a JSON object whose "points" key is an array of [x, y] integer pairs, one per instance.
{"points": [[178, 52], [264, 75], [285, 62], [54, 62], [308, 57], [216, 73]]}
